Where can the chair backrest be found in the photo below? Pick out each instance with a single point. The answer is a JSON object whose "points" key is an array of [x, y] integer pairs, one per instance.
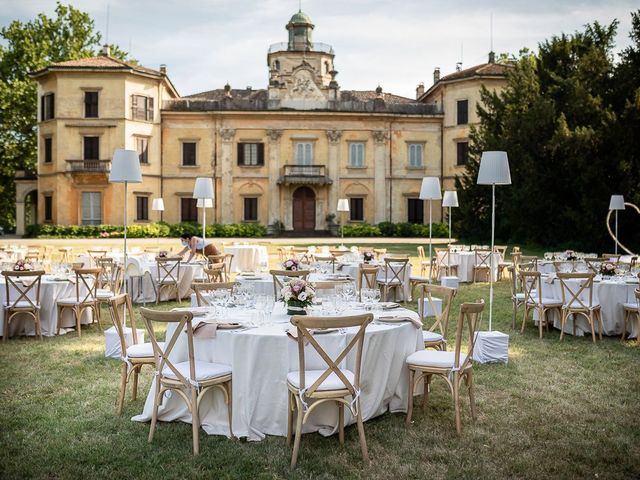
{"points": [[278, 275], [447, 294], [515, 280], [564, 267], [469, 314], [594, 264], [95, 254], [106, 266], [32, 257], [215, 272], [15, 280], [483, 259], [182, 321], [443, 258], [379, 252], [117, 306], [515, 249], [368, 273], [304, 323], [302, 254], [573, 286], [528, 262], [89, 279], [201, 289], [516, 258], [611, 257], [501, 249], [395, 269], [531, 287], [168, 269], [421, 255]]}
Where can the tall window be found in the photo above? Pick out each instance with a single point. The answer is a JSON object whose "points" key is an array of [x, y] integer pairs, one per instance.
{"points": [[250, 154], [48, 208], [304, 154], [356, 209], [47, 107], [463, 112], [48, 150], [91, 208], [141, 108], [415, 210], [356, 155], [91, 104], [142, 146], [463, 153], [91, 148], [188, 210], [250, 209], [142, 208], [189, 153], [415, 154]]}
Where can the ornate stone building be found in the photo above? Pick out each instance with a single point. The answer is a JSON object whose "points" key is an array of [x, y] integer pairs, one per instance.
{"points": [[284, 154]]}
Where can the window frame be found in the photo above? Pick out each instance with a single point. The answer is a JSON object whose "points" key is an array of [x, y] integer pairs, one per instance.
{"points": [[242, 154], [354, 209], [352, 146], [48, 208], [47, 106], [148, 108], [415, 145], [195, 153], [47, 149], [310, 149], [142, 208], [84, 147], [415, 201], [144, 155], [465, 154], [465, 117], [92, 220], [88, 105], [194, 202], [255, 207]]}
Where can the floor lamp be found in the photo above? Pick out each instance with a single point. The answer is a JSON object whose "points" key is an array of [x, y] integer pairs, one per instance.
{"points": [[343, 206], [430, 190], [616, 203], [157, 205], [494, 170], [450, 199], [125, 168], [203, 190]]}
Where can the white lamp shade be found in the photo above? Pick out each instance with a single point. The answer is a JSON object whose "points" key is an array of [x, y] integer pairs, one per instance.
{"points": [[125, 167], [343, 205], [494, 169], [157, 204], [203, 188], [450, 199], [204, 202], [616, 203], [430, 189]]}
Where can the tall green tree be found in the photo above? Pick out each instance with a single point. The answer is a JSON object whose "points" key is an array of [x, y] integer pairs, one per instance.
{"points": [[559, 120], [69, 34]]}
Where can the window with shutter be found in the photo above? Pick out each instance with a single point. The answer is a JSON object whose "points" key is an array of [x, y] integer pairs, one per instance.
{"points": [[91, 148], [91, 104], [142, 147], [250, 154], [304, 153], [141, 108], [91, 208], [47, 103], [356, 155], [250, 209], [188, 210], [356, 209], [48, 208], [415, 210], [189, 154], [463, 153], [463, 112], [48, 150], [142, 208], [415, 154]]}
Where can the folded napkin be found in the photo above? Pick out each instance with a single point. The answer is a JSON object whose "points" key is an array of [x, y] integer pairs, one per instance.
{"points": [[208, 329], [400, 318], [390, 305], [292, 333]]}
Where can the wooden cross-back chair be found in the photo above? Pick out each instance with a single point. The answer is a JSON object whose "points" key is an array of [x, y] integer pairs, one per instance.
{"points": [[594, 264], [302, 254], [86, 287], [394, 272], [189, 379], [308, 389], [215, 272], [225, 259], [133, 356], [454, 367], [611, 257], [110, 287], [534, 301], [32, 257], [368, 273], [202, 290], [106, 277], [425, 263], [168, 276], [444, 263], [573, 286], [65, 254], [26, 286], [482, 264], [631, 311], [433, 338], [95, 254], [517, 296], [379, 252], [502, 262], [278, 275]]}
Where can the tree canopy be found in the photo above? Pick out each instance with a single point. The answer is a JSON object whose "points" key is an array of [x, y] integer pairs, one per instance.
{"points": [[569, 120], [68, 35]]}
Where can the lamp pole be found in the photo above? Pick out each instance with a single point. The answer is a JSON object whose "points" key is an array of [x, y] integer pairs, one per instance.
{"points": [[430, 190]]}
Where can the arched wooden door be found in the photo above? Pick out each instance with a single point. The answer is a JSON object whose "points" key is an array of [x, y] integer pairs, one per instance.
{"points": [[304, 210]]}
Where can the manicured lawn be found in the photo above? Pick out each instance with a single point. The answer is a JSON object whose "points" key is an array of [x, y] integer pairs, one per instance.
{"points": [[561, 410]]}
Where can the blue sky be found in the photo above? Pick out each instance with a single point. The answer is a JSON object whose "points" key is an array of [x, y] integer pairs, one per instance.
{"points": [[396, 44]]}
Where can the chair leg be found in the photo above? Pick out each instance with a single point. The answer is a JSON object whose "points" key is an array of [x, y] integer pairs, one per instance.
{"points": [[599, 317], [363, 440], [472, 397], [290, 410], [456, 401], [341, 422], [410, 397], [563, 319], [134, 385], [154, 414], [123, 388], [541, 317], [78, 314], [5, 329], [230, 407], [624, 324], [296, 442], [426, 379], [524, 318], [593, 331], [195, 421]]}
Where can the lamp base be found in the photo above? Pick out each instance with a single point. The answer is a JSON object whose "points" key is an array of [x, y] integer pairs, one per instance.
{"points": [[491, 347]]}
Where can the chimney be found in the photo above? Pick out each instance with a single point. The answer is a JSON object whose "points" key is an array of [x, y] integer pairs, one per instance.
{"points": [[420, 90], [163, 68], [106, 51], [458, 66], [436, 75], [492, 57]]}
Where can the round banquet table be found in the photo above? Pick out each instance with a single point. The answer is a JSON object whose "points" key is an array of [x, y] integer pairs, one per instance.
{"points": [[247, 258], [262, 357], [51, 289], [466, 261], [610, 293]]}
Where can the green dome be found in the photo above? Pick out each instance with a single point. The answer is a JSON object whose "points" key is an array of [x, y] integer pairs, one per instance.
{"points": [[300, 17]]}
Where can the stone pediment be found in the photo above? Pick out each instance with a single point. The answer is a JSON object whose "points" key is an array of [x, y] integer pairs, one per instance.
{"points": [[302, 91]]}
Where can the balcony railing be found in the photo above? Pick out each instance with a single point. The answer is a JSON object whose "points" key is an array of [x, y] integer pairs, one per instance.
{"points": [[304, 174], [97, 166], [315, 47]]}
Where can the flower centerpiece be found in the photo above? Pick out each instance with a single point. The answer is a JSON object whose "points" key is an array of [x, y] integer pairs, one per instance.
{"points": [[570, 255], [367, 256], [297, 295], [104, 234], [163, 254], [22, 266], [607, 269], [292, 265]]}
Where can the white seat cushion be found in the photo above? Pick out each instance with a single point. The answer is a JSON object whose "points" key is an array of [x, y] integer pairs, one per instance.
{"points": [[103, 293], [204, 370], [434, 358], [546, 301], [139, 350], [332, 382], [394, 281], [21, 304], [631, 306], [429, 336], [416, 278], [576, 304], [72, 301]]}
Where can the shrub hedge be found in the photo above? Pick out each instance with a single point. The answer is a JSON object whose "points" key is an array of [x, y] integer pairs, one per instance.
{"points": [[388, 229]]}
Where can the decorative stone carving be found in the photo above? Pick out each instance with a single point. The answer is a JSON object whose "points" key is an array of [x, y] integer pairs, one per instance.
{"points": [[334, 135], [274, 135], [380, 136], [227, 134]]}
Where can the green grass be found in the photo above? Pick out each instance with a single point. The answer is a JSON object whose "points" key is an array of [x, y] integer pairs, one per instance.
{"points": [[560, 410]]}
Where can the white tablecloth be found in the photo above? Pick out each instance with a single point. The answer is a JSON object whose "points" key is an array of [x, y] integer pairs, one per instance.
{"points": [[466, 261], [50, 291], [248, 258], [262, 357]]}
